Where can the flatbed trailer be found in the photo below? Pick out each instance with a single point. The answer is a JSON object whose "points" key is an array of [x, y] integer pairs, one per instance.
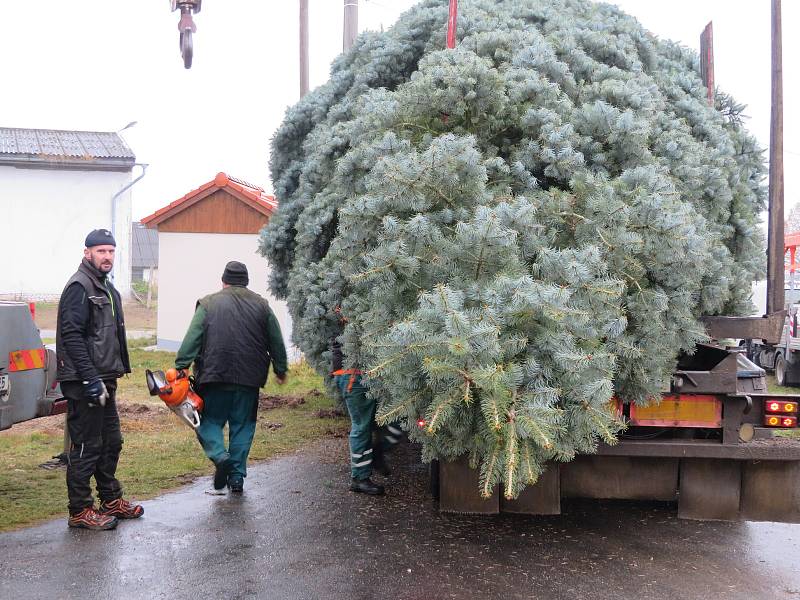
{"points": [[713, 445]]}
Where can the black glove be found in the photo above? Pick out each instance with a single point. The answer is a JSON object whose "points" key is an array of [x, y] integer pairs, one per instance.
{"points": [[96, 391]]}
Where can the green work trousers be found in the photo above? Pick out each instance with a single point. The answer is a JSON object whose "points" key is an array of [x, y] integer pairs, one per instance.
{"points": [[362, 418], [237, 406]]}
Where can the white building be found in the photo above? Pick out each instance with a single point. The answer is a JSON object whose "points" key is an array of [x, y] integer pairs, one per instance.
{"points": [[197, 235], [55, 187]]}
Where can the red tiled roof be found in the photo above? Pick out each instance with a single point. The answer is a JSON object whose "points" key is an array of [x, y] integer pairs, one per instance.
{"points": [[250, 194]]}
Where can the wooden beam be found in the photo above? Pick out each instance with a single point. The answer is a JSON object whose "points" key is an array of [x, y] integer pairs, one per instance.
{"points": [[350, 23], [775, 243], [707, 60], [303, 47], [452, 21]]}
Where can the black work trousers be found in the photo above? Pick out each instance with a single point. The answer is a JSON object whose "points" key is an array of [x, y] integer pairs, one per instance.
{"points": [[96, 445]]}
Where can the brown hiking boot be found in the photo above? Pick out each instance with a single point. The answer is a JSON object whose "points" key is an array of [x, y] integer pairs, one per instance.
{"points": [[122, 509], [89, 518]]}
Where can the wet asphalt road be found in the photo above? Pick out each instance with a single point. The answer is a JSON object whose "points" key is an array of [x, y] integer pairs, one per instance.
{"points": [[297, 533]]}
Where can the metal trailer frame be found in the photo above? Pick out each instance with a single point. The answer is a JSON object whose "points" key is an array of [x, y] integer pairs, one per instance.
{"points": [[708, 481], [742, 473]]}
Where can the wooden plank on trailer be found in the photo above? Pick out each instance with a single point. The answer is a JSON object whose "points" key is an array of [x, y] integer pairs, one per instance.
{"points": [[620, 477], [710, 489], [707, 61], [542, 498], [458, 490]]}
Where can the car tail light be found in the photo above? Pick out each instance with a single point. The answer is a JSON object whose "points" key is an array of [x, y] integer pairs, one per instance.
{"points": [[780, 421], [780, 406]]}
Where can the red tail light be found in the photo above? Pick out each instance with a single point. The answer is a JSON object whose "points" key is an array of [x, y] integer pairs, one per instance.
{"points": [[780, 421], [780, 406]]}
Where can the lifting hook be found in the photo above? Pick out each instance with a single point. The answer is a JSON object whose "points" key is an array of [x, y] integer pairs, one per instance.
{"points": [[186, 27]]}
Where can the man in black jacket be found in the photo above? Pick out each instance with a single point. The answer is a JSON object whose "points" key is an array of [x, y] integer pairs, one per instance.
{"points": [[92, 354]]}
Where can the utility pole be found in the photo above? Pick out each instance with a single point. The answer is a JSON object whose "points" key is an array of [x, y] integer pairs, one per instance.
{"points": [[350, 23], [303, 47], [775, 253]]}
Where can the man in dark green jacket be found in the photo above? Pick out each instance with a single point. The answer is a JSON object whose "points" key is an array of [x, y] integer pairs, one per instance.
{"points": [[232, 339]]}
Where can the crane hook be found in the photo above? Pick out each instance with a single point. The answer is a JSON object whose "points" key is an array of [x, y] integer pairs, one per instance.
{"points": [[186, 27]]}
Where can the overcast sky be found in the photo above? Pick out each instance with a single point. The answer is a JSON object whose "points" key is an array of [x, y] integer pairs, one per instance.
{"points": [[99, 64]]}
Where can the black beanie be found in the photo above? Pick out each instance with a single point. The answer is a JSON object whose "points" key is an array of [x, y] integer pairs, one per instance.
{"points": [[235, 273], [100, 237]]}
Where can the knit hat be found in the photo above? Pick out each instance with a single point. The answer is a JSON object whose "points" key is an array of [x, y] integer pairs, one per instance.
{"points": [[235, 274], [100, 237]]}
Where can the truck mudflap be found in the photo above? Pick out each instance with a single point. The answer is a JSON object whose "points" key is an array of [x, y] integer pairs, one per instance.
{"points": [[758, 481]]}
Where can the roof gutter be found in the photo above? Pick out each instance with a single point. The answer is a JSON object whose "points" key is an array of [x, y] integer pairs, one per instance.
{"points": [[71, 163], [127, 186]]}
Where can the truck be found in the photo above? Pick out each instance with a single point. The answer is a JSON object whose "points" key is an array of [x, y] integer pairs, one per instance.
{"points": [[28, 384], [781, 358], [717, 442]]}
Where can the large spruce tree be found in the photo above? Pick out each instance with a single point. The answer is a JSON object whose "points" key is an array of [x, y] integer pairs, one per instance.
{"points": [[517, 229]]}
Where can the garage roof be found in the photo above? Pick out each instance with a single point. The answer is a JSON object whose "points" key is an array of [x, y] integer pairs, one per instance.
{"points": [[210, 208]]}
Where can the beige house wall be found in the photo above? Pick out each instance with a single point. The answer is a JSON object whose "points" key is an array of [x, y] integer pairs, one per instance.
{"points": [[190, 266], [45, 215]]}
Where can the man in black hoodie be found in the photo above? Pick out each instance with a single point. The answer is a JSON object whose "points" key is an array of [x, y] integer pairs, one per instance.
{"points": [[92, 354]]}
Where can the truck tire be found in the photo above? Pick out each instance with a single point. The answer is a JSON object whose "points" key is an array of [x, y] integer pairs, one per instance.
{"points": [[780, 370], [756, 357]]}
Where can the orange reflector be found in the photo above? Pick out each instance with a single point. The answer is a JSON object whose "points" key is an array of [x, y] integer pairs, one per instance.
{"points": [[680, 410], [23, 360], [780, 406], [780, 421]]}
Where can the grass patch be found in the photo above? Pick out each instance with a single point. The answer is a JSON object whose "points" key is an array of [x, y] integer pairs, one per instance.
{"points": [[133, 387], [136, 315], [774, 388], [140, 287], [159, 453]]}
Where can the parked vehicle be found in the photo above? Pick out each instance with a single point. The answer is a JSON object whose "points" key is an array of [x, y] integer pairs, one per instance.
{"points": [[782, 358], [28, 386]]}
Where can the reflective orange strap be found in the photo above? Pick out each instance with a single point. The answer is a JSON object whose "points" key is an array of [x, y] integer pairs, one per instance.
{"points": [[352, 373], [348, 372]]}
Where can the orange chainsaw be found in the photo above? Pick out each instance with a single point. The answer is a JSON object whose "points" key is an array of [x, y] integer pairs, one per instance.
{"points": [[176, 389]]}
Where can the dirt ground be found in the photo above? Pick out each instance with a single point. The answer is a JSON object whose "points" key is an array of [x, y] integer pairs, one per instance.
{"points": [[136, 315], [151, 416]]}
